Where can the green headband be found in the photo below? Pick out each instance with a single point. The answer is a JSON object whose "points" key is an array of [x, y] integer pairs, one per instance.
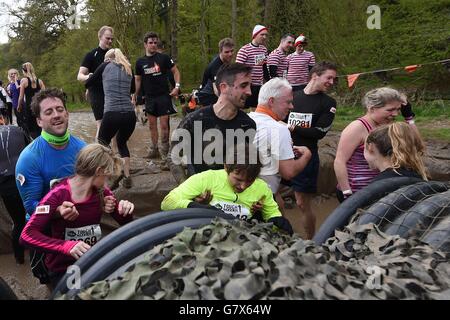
{"points": [[55, 140]]}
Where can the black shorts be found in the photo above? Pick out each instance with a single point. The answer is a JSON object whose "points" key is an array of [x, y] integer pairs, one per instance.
{"points": [[252, 101], [97, 101], [306, 181], [159, 106]]}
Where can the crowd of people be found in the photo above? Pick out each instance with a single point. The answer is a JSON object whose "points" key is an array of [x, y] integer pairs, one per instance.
{"points": [[257, 130]]}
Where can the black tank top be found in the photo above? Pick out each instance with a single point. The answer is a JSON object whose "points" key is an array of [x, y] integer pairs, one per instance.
{"points": [[30, 91]]}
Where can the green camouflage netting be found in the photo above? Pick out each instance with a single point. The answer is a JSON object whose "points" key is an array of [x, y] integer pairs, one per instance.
{"points": [[248, 260]]}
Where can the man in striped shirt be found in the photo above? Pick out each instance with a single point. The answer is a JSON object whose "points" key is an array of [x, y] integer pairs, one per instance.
{"points": [[277, 61], [254, 54], [299, 64]]}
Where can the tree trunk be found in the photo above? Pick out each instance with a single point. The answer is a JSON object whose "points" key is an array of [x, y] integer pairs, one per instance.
{"points": [[233, 19], [267, 11], [174, 33], [203, 31]]}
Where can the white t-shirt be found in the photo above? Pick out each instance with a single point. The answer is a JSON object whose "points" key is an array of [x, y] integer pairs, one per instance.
{"points": [[274, 143]]}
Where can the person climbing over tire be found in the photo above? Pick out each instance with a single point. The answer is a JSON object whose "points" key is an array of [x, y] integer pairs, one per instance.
{"points": [[82, 199], [235, 190], [396, 150]]}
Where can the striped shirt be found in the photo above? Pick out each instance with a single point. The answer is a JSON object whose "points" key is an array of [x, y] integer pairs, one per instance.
{"points": [[298, 71], [359, 173], [255, 57], [278, 58]]}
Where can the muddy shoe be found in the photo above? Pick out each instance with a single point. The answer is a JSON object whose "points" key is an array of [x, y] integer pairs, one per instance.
{"points": [[153, 153], [164, 166], [152, 168], [127, 182]]}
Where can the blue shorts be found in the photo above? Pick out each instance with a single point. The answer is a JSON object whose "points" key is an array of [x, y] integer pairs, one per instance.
{"points": [[306, 181]]}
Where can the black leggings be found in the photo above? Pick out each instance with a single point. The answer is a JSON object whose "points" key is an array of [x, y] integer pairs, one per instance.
{"points": [[122, 123], [14, 206]]}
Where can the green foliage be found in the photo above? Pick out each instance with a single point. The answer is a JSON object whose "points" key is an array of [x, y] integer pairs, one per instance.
{"points": [[412, 32]]}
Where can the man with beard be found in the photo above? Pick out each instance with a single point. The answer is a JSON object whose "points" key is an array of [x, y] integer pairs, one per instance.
{"points": [[51, 156], [213, 125]]}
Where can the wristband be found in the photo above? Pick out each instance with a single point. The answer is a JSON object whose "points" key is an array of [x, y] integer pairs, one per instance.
{"points": [[177, 85]]}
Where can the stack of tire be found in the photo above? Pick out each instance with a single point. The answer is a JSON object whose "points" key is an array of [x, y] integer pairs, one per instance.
{"points": [[398, 206], [116, 252]]}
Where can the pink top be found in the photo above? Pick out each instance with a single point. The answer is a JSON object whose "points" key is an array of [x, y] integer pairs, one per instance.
{"points": [[65, 234], [359, 173]]}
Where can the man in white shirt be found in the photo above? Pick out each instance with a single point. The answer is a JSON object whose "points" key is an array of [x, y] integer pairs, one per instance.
{"points": [[280, 159]]}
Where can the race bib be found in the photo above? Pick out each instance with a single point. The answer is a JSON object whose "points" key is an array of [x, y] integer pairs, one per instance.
{"points": [[89, 234], [237, 210], [302, 120], [259, 59]]}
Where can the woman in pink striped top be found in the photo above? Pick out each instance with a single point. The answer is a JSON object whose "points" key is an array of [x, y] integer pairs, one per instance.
{"points": [[351, 169]]}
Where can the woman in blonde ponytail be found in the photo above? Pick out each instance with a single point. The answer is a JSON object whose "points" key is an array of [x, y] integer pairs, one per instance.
{"points": [[29, 86], [396, 150], [119, 118]]}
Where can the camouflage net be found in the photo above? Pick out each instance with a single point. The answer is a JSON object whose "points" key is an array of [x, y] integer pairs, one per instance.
{"points": [[248, 260]]}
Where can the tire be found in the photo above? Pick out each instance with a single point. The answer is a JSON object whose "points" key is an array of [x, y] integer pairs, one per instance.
{"points": [[439, 236], [399, 201], [132, 229], [6, 293], [128, 250], [418, 219], [364, 197]]}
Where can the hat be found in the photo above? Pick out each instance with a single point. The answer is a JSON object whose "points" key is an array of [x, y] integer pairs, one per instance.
{"points": [[257, 30], [301, 39]]}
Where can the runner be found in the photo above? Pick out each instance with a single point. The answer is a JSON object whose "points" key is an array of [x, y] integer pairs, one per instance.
{"points": [[13, 141], [396, 150], [51, 156], [206, 94], [300, 64], [351, 169], [254, 55], [119, 114], [13, 89], [235, 190], [309, 122], [152, 75], [83, 198], [277, 61], [29, 86], [91, 62], [279, 157], [212, 122]]}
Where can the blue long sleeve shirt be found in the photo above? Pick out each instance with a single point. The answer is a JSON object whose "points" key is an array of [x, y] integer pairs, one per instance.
{"points": [[39, 164]]}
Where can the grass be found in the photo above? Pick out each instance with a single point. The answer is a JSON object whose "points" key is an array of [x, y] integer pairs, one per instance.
{"points": [[432, 118]]}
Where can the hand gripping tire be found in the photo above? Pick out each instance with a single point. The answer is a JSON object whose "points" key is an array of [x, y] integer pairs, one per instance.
{"points": [[399, 201], [363, 198], [417, 220], [132, 230]]}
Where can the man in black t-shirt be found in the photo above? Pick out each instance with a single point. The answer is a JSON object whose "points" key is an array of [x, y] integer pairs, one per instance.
{"points": [[206, 94], [310, 121], [91, 62], [152, 75], [207, 133]]}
